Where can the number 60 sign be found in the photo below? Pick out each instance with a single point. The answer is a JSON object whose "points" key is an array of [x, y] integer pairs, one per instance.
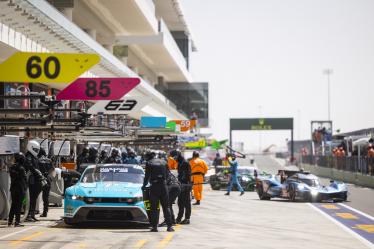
{"points": [[46, 67]]}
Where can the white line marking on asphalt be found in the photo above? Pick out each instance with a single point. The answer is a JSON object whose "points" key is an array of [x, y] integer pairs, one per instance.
{"points": [[11, 234], [357, 211], [363, 240]]}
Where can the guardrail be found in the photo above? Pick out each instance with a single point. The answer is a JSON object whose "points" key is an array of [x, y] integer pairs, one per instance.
{"points": [[363, 165]]}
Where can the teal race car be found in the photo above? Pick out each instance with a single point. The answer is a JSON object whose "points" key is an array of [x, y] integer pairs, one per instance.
{"points": [[106, 193]]}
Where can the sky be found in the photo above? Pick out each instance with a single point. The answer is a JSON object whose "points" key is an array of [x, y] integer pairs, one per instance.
{"points": [[266, 58]]}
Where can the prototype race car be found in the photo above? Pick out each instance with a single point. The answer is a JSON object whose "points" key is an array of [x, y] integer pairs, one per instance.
{"points": [[106, 193], [246, 178], [300, 186]]}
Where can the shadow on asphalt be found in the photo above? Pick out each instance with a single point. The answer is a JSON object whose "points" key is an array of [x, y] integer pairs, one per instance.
{"points": [[105, 225]]}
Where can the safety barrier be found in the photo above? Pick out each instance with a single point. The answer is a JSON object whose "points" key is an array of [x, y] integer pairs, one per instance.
{"points": [[356, 164], [356, 170]]}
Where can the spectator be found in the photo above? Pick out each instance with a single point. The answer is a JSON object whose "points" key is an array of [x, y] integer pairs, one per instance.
{"points": [[194, 117], [370, 155], [217, 161]]}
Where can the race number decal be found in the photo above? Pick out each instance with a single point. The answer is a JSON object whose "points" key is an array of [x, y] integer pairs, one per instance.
{"points": [[126, 105], [121, 105], [46, 67], [98, 89]]}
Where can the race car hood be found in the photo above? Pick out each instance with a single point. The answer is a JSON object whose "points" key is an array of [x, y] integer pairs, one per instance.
{"points": [[108, 189], [333, 188]]}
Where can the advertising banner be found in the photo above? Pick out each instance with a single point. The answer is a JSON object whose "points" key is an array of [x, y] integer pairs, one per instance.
{"points": [[153, 122], [185, 125]]}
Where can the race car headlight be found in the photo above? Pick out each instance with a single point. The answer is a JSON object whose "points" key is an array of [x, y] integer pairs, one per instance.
{"points": [[77, 197], [245, 178], [314, 192], [300, 186]]}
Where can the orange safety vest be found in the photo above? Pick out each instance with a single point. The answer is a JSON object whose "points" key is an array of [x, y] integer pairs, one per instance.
{"points": [[198, 166], [172, 164]]}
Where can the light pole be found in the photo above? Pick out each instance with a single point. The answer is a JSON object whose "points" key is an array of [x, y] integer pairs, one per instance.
{"points": [[259, 137], [328, 72], [298, 124]]}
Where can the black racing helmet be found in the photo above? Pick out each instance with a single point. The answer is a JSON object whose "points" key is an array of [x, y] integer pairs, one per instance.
{"points": [[195, 154], [131, 153], [19, 158], [149, 155], [115, 152], [85, 150], [175, 153], [93, 151], [42, 152]]}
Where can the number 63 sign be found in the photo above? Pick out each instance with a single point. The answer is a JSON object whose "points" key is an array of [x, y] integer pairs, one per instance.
{"points": [[123, 106]]}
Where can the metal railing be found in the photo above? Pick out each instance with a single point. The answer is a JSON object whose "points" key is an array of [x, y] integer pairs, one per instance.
{"points": [[116, 123], [356, 164]]}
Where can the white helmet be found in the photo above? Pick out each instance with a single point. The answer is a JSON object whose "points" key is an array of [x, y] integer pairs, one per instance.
{"points": [[33, 147]]}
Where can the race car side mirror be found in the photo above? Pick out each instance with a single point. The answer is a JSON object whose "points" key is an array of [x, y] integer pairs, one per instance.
{"points": [[74, 180]]}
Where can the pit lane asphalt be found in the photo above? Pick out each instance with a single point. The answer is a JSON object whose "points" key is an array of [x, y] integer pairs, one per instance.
{"points": [[220, 222]]}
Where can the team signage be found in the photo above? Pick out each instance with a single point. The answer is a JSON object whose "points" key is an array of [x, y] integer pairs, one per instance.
{"points": [[123, 106], [196, 145], [185, 125], [152, 122], [261, 124], [98, 89], [46, 67]]}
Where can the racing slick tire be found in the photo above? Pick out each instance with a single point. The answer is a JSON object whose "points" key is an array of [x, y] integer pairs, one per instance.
{"points": [[69, 222], [345, 197], [261, 193], [215, 186], [292, 193]]}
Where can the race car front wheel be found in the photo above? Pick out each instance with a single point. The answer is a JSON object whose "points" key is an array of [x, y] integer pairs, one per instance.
{"points": [[68, 221], [216, 187], [261, 193], [292, 193]]}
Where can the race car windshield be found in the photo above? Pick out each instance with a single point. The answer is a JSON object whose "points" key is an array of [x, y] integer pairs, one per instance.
{"points": [[310, 182], [245, 171], [113, 174]]}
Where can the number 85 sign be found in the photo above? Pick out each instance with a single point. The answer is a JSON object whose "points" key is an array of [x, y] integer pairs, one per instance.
{"points": [[98, 89]]}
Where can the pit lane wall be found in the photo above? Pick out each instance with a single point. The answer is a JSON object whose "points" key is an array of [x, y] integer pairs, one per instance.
{"points": [[340, 175]]}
